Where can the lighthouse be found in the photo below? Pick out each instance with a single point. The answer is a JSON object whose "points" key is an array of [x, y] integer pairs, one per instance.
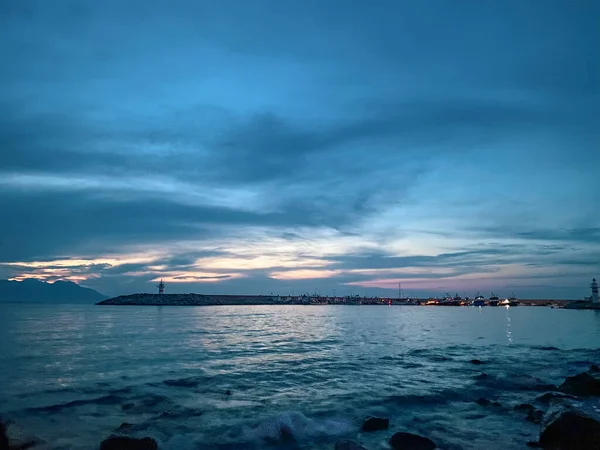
{"points": [[161, 288], [595, 292]]}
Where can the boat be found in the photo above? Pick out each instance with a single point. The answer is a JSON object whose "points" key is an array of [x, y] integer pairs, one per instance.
{"points": [[494, 300], [479, 300]]}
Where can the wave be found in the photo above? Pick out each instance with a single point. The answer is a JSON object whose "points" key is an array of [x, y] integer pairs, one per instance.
{"points": [[290, 427], [109, 399], [185, 382]]}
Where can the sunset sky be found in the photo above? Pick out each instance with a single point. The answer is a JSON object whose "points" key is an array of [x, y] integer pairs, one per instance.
{"points": [[257, 146]]}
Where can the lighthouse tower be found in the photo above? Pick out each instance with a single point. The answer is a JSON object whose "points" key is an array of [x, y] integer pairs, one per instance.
{"points": [[595, 292], [161, 288]]}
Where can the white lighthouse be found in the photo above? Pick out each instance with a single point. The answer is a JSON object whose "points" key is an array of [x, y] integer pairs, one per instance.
{"points": [[595, 291]]}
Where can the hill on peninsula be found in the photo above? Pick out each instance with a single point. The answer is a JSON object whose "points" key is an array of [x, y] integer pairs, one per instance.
{"points": [[32, 290]]}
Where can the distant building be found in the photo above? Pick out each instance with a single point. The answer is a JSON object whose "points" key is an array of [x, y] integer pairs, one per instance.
{"points": [[161, 287], [595, 291]]}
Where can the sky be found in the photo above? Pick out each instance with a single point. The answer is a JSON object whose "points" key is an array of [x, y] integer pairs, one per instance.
{"points": [[284, 146]]}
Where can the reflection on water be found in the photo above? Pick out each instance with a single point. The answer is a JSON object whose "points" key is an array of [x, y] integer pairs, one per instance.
{"points": [[509, 336]]}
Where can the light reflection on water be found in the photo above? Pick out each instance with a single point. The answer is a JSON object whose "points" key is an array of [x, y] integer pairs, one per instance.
{"points": [[509, 336]]}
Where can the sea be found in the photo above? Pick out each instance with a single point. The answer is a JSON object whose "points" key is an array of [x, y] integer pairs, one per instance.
{"points": [[293, 377]]}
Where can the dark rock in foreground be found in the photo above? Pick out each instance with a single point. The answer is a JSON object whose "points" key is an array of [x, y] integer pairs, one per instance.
{"points": [[3, 437], [344, 444], [14, 438], [582, 385], [409, 441], [375, 424], [570, 426], [128, 443]]}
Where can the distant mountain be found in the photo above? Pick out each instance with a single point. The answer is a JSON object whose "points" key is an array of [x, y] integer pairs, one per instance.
{"points": [[31, 290]]}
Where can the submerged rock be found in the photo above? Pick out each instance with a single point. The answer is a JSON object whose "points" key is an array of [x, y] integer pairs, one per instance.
{"points": [[535, 416], [128, 443], [476, 361], [582, 385], [375, 424], [124, 426], [594, 368], [485, 402], [525, 382], [570, 426], [549, 396], [409, 441], [524, 407], [345, 444]]}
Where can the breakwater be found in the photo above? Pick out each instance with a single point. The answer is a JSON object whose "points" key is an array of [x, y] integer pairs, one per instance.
{"points": [[211, 300]]}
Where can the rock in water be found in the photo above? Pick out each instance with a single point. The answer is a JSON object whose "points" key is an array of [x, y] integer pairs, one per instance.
{"points": [[409, 441], [535, 416], [128, 443], [485, 402], [570, 427], [582, 385], [3, 437], [524, 407], [375, 424], [345, 444], [476, 361], [124, 426], [12, 437]]}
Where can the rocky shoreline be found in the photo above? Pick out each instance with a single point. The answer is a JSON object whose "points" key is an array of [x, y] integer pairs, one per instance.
{"points": [[568, 416]]}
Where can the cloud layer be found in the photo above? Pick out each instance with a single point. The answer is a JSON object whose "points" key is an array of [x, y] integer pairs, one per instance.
{"points": [[301, 146]]}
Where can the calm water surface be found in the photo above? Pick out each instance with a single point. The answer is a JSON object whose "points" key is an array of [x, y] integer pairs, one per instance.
{"points": [[233, 377]]}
